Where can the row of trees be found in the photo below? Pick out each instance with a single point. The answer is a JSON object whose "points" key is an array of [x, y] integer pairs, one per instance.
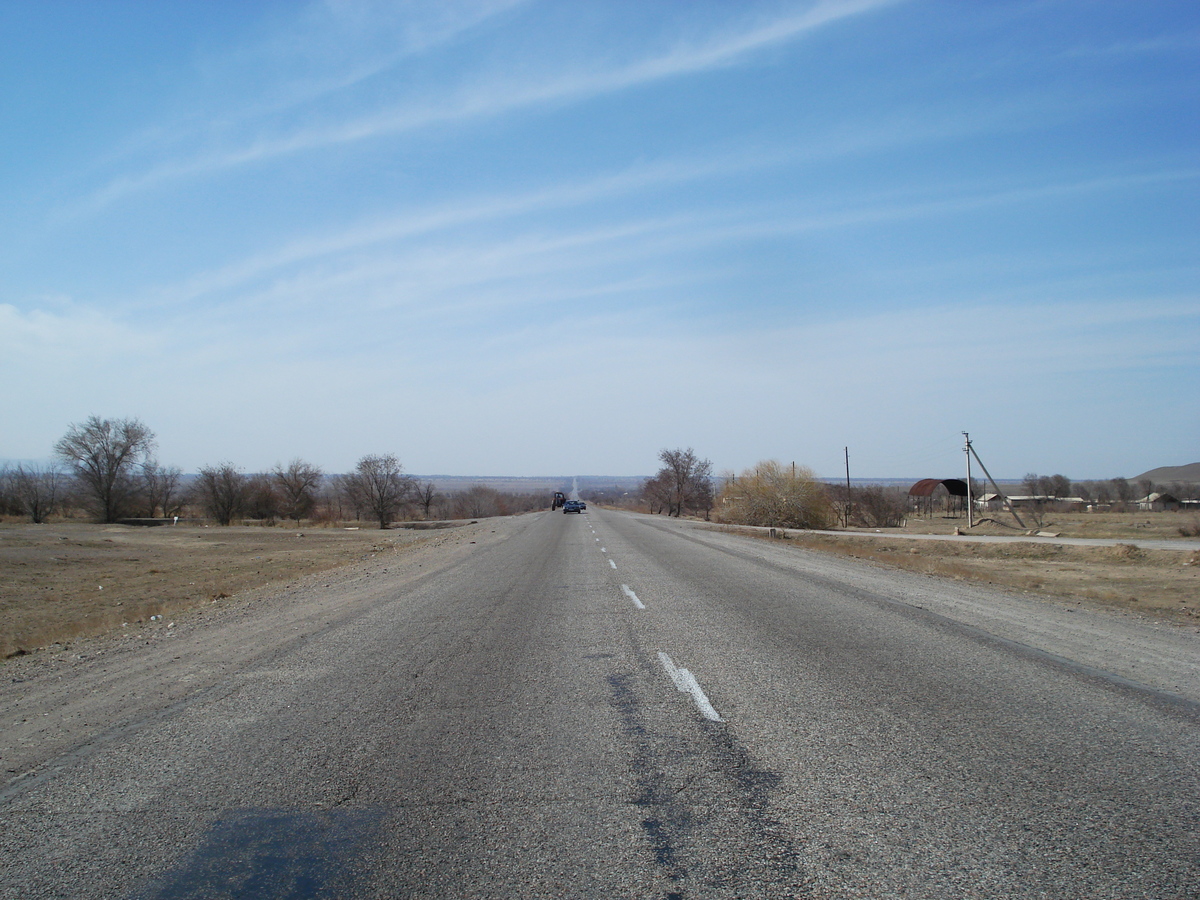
{"points": [[775, 495], [1110, 492], [104, 465], [107, 468], [377, 489]]}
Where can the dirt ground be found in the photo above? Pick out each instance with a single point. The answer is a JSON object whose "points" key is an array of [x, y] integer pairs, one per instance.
{"points": [[1163, 583], [1122, 526], [59, 582], [1160, 583]]}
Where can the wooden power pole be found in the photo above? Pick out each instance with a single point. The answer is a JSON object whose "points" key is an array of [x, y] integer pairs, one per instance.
{"points": [[847, 487]]}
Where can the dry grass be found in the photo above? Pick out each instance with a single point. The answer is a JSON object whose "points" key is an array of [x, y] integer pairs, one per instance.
{"points": [[1163, 583], [1128, 526], [62, 581]]}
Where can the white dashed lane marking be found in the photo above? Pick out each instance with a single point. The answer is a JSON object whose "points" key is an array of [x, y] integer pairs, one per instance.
{"points": [[632, 596], [686, 682]]}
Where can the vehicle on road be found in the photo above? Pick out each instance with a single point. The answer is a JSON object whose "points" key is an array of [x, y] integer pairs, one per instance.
{"points": [[575, 506]]}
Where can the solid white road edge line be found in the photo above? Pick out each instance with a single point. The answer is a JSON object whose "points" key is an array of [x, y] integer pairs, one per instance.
{"points": [[632, 596], [687, 684]]}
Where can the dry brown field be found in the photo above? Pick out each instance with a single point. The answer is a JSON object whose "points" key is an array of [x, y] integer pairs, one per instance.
{"points": [[1160, 583], [68, 580]]}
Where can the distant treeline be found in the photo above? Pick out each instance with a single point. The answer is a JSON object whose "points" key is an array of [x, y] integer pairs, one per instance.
{"points": [[107, 470], [777, 495]]}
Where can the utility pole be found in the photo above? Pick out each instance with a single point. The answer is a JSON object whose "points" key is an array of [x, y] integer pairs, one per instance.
{"points": [[970, 499], [995, 486], [847, 487]]}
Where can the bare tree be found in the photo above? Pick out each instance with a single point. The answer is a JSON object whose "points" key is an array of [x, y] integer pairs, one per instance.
{"points": [[690, 479], [9, 504], [262, 498], [1060, 486], [479, 502], [1038, 488], [426, 496], [701, 495], [348, 497], [222, 491], [1032, 483], [298, 485], [656, 492], [104, 454], [37, 489], [880, 507], [1124, 491], [378, 485], [160, 486]]}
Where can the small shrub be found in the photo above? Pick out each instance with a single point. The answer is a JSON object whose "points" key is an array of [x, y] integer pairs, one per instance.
{"points": [[773, 495]]}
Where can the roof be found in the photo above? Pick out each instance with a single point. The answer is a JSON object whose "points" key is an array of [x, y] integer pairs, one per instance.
{"points": [[926, 486], [1158, 497]]}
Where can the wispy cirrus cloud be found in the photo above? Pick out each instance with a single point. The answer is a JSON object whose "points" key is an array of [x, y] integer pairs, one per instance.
{"points": [[489, 95], [330, 48], [430, 256], [1187, 42], [464, 212]]}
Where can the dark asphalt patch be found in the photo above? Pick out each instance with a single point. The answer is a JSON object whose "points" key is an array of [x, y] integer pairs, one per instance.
{"points": [[271, 854]]}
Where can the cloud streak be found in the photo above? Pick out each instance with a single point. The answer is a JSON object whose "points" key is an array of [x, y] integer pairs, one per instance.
{"points": [[692, 228], [491, 97]]}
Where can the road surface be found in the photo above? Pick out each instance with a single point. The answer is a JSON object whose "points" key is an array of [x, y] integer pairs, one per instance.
{"points": [[609, 706]]}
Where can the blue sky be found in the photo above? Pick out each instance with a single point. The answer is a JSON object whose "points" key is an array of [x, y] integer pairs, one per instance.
{"points": [[520, 238]]}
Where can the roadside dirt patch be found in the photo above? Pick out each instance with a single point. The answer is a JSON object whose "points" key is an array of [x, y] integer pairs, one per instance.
{"points": [[1163, 583], [1127, 525], [64, 581]]}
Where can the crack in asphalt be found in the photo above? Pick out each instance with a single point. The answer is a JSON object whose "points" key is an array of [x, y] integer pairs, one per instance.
{"points": [[673, 825]]}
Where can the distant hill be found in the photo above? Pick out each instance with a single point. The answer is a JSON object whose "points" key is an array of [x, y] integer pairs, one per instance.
{"points": [[1170, 474], [534, 484]]}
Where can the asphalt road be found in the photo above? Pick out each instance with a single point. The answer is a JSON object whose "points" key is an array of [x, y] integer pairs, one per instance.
{"points": [[606, 705]]}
